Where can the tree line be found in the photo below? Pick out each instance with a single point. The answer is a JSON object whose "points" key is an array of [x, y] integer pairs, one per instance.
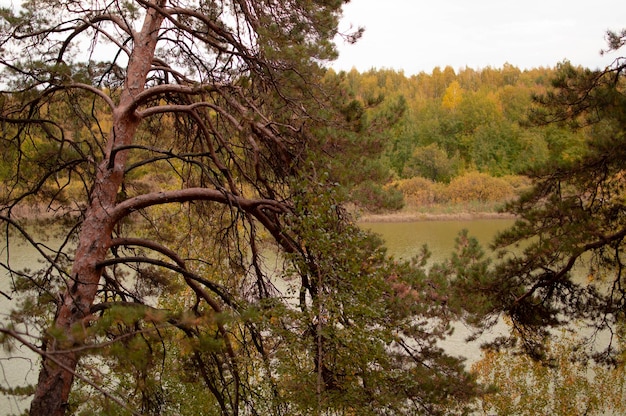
{"points": [[440, 127], [447, 124]]}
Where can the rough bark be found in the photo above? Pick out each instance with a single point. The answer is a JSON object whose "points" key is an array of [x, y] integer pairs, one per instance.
{"points": [[54, 384]]}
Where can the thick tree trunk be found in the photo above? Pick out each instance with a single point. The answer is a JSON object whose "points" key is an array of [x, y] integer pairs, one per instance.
{"points": [[55, 378], [57, 372]]}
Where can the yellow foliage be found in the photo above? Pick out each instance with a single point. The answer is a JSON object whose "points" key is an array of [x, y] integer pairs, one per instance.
{"points": [[476, 186], [417, 190], [470, 187], [453, 96]]}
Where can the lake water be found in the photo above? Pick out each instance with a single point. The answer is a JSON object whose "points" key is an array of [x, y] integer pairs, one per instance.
{"points": [[404, 240], [20, 366]]}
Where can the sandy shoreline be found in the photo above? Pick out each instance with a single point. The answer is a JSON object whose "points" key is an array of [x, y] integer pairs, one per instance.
{"points": [[421, 216]]}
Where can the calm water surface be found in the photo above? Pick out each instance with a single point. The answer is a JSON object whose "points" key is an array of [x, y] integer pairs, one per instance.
{"points": [[405, 240]]}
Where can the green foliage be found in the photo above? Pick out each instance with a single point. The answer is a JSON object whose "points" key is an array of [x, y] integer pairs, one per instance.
{"points": [[433, 163], [253, 292], [40, 160], [374, 198], [351, 146], [479, 126], [224, 103], [368, 326], [468, 269], [447, 123], [350, 331], [572, 222]]}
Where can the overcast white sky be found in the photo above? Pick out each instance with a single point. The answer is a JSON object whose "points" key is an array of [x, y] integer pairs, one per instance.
{"points": [[416, 35]]}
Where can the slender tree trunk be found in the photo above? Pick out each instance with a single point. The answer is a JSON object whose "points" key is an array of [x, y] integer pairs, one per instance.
{"points": [[57, 372]]}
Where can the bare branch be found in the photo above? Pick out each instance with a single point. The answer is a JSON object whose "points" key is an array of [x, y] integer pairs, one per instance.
{"points": [[193, 194], [215, 287], [52, 358], [92, 23], [555, 277], [153, 245], [96, 91], [172, 89], [33, 243]]}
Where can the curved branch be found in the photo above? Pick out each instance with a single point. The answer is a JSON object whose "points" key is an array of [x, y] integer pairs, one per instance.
{"points": [[96, 91], [193, 194], [282, 238], [92, 24], [206, 132], [601, 242], [39, 184], [189, 108], [222, 36], [161, 65], [169, 88], [192, 280], [152, 245], [34, 244], [215, 287], [164, 155], [173, 108], [255, 206]]}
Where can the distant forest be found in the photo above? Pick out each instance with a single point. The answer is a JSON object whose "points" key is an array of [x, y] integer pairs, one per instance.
{"points": [[444, 138], [417, 133]]}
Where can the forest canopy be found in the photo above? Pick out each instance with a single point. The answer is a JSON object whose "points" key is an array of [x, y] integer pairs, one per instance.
{"points": [[468, 126]]}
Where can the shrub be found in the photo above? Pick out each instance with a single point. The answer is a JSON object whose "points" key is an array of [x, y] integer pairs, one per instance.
{"points": [[476, 186], [417, 190], [432, 162], [518, 182], [374, 198]]}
